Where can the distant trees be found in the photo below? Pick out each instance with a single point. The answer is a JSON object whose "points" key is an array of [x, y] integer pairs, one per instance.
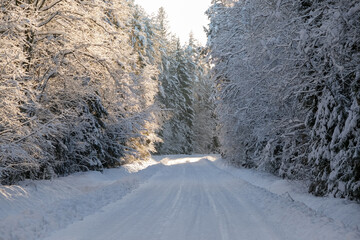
{"points": [[287, 89], [205, 120], [176, 98], [181, 71]]}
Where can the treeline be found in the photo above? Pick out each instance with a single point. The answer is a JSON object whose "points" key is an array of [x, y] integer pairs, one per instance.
{"points": [[87, 85], [287, 77], [185, 86]]}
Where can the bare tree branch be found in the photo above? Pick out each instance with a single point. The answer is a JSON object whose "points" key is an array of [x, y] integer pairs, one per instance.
{"points": [[48, 20], [51, 5]]}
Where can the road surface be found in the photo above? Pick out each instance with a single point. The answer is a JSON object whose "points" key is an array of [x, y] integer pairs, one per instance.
{"points": [[191, 198]]}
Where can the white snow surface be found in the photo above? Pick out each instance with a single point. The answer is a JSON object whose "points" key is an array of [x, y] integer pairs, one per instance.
{"points": [[173, 197]]}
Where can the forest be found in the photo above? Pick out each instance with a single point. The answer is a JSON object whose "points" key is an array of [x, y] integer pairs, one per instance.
{"points": [[89, 85], [287, 80]]}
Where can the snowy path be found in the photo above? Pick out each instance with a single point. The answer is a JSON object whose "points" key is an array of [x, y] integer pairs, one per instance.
{"points": [[191, 198]]}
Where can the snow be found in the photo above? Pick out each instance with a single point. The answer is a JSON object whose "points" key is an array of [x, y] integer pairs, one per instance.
{"points": [[173, 197], [34, 208], [343, 211]]}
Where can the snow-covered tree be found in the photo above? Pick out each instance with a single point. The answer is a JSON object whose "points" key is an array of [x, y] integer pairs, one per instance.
{"points": [[330, 81], [74, 97], [23, 126], [204, 123], [177, 73], [249, 51], [176, 85], [287, 88], [145, 73]]}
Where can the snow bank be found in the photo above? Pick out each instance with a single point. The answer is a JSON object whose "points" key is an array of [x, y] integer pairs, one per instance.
{"points": [[343, 211], [32, 209]]}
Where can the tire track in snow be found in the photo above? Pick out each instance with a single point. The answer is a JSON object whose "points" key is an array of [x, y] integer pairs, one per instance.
{"points": [[198, 201]]}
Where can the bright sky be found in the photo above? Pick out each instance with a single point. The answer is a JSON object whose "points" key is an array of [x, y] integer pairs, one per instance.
{"points": [[184, 16]]}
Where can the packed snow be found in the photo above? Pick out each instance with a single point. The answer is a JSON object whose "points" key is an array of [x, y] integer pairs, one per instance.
{"points": [[173, 197]]}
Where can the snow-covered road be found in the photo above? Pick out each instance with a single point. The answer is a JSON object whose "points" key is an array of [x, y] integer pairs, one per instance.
{"points": [[192, 198]]}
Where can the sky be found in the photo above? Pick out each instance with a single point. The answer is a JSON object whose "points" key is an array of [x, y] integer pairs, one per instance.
{"points": [[184, 16]]}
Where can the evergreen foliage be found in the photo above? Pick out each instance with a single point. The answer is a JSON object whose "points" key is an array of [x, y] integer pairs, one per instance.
{"points": [[181, 71]]}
